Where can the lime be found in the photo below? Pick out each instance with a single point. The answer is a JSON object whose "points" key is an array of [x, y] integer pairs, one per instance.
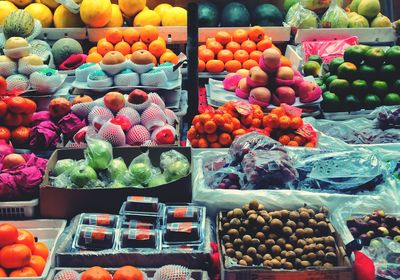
{"points": [[379, 88], [359, 87], [372, 101], [340, 87], [335, 63], [392, 99], [330, 102]]}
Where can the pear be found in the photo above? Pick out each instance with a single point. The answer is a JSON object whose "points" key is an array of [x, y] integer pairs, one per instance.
{"points": [[381, 21], [369, 8]]}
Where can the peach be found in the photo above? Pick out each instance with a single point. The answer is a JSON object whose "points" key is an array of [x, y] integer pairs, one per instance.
{"points": [[258, 76], [285, 73], [285, 95], [12, 161], [114, 101], [272, 58], [261, 94]]}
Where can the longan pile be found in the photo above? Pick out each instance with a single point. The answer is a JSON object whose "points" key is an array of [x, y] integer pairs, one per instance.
{"points": [[284, 239]]}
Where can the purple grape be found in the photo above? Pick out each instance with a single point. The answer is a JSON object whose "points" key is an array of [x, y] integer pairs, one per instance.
{"points": [[222, 186], [234, 187]]}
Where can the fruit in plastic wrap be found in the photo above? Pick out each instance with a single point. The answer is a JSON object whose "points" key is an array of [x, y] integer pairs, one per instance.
{"points": [[389, 118], [98, 153], [140, 169], [117, 168], [157, 181], [63, 165], [174, 164], [81, 175], [335, 17], [302, 18]]}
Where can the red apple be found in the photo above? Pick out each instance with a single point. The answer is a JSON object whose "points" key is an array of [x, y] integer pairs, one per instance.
{"points": [[122, 121], [59, 107], [137, 96], [114, 101], [165, 136], [12, 161]]}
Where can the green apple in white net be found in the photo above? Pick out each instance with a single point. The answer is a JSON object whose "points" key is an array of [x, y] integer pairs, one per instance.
{"points": [[140, 172], [98, 154], [157, 181], [63, 165], [82, 175], [117, 168], [176, 170]]}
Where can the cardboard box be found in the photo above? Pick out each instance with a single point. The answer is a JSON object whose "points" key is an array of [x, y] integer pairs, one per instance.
{"points": [[343, 271], [66, 203]]}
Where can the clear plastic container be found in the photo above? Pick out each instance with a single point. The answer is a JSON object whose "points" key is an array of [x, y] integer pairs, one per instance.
{"points": [[102, 220], [186, 213], [153, 217], [141, 204], [94, 238], [183, 233], [140, 239], [137, 224]]}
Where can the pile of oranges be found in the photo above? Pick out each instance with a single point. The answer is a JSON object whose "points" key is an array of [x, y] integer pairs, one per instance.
{"points": [[97, 272], [15, 118], [231, 52], [20, 255], [129, 40], [218, 128]]}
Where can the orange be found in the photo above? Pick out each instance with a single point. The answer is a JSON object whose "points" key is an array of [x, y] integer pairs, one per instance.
{"points": [[215, 66], [300, 140], [149, 33], [202, 47], [227, 127], [139, 46], [128, 273], [233, 66], [212, 138], [12, 120], [235, 123], [256, 123], [225, 55], [123, 47], [279, 111], [38, 264], [233, 46], [15, 256], [8, 234], [256, 33], [94, 58], [41, 250], [104, 47], [20, 135], [219, 120], [285, 61], [239, 35], [4, 134], [293, 143], [225, 139], [255, 55], [92, 50], [296, 123], [194, 143], [114, 35], [26, 237], [215, 46], [96, 273], [241, 56], [192, 133], [199, 127], [223, 37], [202, 66], [239, 132], [196, 119], [157, 47], [3, 105], [284, 139], [24, 272], [16, 104], [271, 120], [215, 145], [130, 35], [206, 54], [210, 127], [169, 57], [203, 143], [204, 118], [310, 145], [284, 122], [3, 273], [250, 63], [264, 44], [248, 46]]}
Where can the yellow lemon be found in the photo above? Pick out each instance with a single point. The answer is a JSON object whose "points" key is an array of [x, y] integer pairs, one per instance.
{"points": [[149, 17], [131, 7], [161, 9], [6, 8], [116, 18], [42, 13], [65, 19], [96, 13], [175, 16]]}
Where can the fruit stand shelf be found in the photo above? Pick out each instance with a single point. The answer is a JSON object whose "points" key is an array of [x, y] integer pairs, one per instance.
{"points": [[365, 35], [278, 34], [54, 34]]}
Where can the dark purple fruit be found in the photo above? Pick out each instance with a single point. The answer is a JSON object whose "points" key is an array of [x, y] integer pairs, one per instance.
{"points": [[373, 224], [354, 231]]}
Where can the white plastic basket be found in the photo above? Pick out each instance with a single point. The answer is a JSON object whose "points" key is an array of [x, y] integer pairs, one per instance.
{"points": [[18, 209]]}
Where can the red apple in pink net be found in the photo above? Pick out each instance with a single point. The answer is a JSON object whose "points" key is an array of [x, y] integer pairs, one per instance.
{"points": [[309, 91], [122, 121], [285, 95], [137, 96], [12, 161], [114, 101]]}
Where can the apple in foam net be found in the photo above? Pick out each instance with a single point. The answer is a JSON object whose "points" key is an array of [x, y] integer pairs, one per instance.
{"points": [[137, 96], [165, 136], [114, 101], [122, 121], [13, 160]]}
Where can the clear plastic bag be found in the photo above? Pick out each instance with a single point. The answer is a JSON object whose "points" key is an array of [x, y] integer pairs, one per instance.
{"points": [[319, 5], [335, 17], [225, 178], [141, 170], [98, 154], [388, 116], [174, 164], [117, 169], [300, 17]]}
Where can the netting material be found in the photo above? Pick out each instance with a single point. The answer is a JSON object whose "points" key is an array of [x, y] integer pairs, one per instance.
{"points": [[113, 134], [99, 115], [137, 135], [153, 116], [46, 84], [127, 79], [138, 107], [113, 69], [131, 114], [171, 117], [172, 272], [153, 78], [156, 99], [82, 74], [140, 68], [8, 68], [17, 82]]}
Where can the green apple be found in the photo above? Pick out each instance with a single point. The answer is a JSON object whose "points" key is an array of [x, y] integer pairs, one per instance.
{"points": [[98, 154], [157, 181], [63, 165], [117, 184], [117, 168], [82, 175], [176, 170], [140, 172]]}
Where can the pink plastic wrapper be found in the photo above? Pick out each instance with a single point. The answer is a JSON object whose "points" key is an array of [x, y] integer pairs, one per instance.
{"points": [[27, 179], [32, 160], [70, 124], [44, 136], [39, 117], [73, 62], [328, 50], [8, 187], [5, 148]]}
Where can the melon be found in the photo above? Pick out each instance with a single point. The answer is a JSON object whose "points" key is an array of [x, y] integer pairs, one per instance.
{"points": [[117, 19], [235, 14], [5, 9], [208, 14], [63, 18], [64, 48], [131, 7], [42, 13], [18, 23], [96, 13], [266, 15], [175, 16]]}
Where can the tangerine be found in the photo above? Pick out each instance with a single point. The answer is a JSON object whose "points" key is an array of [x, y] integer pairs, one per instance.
{"points": [[210, 127], [284, 139], [215, 145], [285, 61], [3, 273], [139, 46], [300, 140], [38, 264], [235, 123], [296, 123], [41, 249], [15, 256], [128, 273], [233, 66], [26, 237], [30, 106], [5, 134], [279, 111], [223, 37], [215, 66], [194, 143], [169, 57], [96, 273], [232, 46], [12, 120], [255, 55], [149, 33], [215, 46], [271, 120], [92, 50], [284, 122], [310, 144], [202, 66], [24, 272], [94, 58], [225, 139], [250, 63], [256, 33], [158, 47], [293, 143], [130, 35], [239, 35], [3, 105], [16, 104], [212, 138], [123, 47], [206, 55], [241, 56], [104, 47], [225, 55], [8, 234], [203, 143], [114, 35], [249, 46], [20, 135], [239, 132], [264, 44]]}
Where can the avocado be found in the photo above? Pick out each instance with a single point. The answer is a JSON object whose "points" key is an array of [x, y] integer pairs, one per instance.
{"points": [[208, 14], [266, 15], [235, 14]]}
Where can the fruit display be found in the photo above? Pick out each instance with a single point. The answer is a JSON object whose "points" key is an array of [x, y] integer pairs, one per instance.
{"points": [[377, 224], [232, 52], [365, 78], [100, 169], [218, 128], [135, 119], [284, 239], [236, 14], [130, 40], [20, 254], [103, 13]]}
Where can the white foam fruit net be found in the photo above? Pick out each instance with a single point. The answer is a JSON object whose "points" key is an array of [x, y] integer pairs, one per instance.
{"points": [[113, 134], [131, 114], [8, 68], [27, 69], [130, 79], [43, 50], [99, 114], [150, 143], [153, 116], [75, 145], [67, 274], [158, 129], [82, 109], [153, 78], [156, 99], [138, 107], [171, 117], [172, 272], [44, 83], [17, 82], [137, 135]]}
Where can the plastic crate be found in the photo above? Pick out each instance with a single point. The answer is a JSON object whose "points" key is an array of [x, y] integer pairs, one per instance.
{"points": [[18, 209]]}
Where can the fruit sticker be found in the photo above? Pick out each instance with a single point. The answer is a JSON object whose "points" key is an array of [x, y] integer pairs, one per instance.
{"points": [[183, 212], [139, 234], [100, 220], [94, 234], [180, 227]]}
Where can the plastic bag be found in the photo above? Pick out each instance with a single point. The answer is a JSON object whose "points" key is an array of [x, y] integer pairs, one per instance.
{"points": [[98, 154], [347, 172], [157, 179], [141, 169], [301, 18], [225, 178], [117, 169], [319, 6], [335, 17], [174, 164], [63, 166], [388, 116]]}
